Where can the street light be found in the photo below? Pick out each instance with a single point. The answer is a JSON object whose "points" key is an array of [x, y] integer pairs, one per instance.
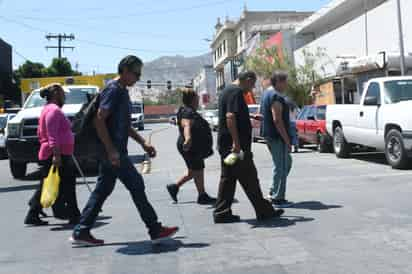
{"points": [[401, 45]]}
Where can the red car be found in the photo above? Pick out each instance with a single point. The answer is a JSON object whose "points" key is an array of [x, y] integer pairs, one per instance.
{"points": [[311, 127]]}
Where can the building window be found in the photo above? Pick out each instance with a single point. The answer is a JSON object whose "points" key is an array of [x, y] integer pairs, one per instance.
{"points": [[224, 46], [241, 38]]}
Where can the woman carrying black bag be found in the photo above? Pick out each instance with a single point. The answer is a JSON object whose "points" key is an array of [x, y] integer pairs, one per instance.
{"points": [[195, 144]]}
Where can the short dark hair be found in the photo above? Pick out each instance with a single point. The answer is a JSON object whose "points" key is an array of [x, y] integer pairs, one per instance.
{"points": [[188, 96], [49, 91], [129, 62], [247, 75], [278, 76]]}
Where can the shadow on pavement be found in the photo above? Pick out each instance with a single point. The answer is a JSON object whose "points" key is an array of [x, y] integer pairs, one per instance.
{"points": [[313, 205], [147, 247], [284, 221], [31, 187], [68, 227], [19, 188], [372, 157]]}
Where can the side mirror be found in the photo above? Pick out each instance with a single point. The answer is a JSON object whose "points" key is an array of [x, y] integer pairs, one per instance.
{"points": [[371, 101], [311, 118]]}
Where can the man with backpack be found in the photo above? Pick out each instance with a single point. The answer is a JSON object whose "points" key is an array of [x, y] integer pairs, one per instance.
{"points": [[113, 126]]}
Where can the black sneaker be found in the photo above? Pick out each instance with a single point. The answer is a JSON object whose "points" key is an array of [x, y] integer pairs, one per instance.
{"points": [[205, 199], [173, 189], [282, 203], [226, 219], [34, 220], [84, 238], [274, 214], [74, 221]]}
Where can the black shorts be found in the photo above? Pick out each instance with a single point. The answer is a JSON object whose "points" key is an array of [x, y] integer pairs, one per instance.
{"points": [[193, 161]]}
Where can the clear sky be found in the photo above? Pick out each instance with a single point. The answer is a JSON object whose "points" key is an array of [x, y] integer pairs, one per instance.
{"points": [[105, 31]]}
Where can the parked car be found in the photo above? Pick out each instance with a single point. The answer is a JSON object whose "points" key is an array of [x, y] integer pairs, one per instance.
{"points": [[138, 115], [4, 119], [381, 121], [173, 120], [311, 128], [212, 117], [22, 142]]}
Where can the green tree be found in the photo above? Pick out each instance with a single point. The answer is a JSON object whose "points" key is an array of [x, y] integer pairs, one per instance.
{"points": [[30, 70], [301, 78], [171, 97], [60, 67]]}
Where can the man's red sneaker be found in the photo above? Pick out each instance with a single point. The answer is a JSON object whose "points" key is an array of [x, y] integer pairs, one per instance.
{"points": [[84, 239], [165, 233]]}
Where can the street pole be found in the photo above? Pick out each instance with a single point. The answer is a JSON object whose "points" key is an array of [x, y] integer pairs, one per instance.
{"points": [[366, 29], [401, 44]]}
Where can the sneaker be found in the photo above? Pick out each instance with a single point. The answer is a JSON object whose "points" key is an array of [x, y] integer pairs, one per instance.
{"points": [[173, 189], [74, 221], [164, 233], [274, 214], [205, 199], [34, 220], [43, 214], [84, 238], [282, 203], [226, 219]]}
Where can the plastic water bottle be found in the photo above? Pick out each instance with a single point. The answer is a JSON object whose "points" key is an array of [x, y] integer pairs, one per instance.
{"points": [[232, 158]]}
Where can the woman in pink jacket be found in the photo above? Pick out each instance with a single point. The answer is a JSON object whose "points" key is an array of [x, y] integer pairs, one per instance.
{"points": [[56, 148]]}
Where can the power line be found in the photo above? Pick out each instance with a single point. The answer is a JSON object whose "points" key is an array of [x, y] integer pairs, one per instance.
{"points": [[102, 30], [133, 49], [103, 44], [20, 55], [149, 12]]}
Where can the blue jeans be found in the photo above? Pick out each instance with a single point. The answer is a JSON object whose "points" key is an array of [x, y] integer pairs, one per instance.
{"points": [[282, 165], [106, 181], [293, 133]]}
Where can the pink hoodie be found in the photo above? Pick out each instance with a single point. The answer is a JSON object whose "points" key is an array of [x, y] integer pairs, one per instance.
{"points": [[54, 131]]}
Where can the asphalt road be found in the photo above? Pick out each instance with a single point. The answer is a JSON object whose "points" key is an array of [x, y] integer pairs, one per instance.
{"points": [[350, 216]]}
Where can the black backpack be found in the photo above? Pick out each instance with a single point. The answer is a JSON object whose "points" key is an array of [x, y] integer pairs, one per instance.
{"points": [[82, 123], [204, 134]]}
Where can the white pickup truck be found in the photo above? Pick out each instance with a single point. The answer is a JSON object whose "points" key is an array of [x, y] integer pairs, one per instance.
{"points": [[382, 120], [22, 142]]}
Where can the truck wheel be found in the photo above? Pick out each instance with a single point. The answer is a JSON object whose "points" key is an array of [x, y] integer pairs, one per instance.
{"points": [[141, 127], [395, 150], [323, 146], [341, 147], [18, 170]]}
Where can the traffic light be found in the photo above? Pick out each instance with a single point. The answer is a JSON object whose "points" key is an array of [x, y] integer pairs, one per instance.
{"points": [[169, 85], [149, 84]]}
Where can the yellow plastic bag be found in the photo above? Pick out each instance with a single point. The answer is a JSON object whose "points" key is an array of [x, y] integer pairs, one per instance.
{"points": [[50, 189]]}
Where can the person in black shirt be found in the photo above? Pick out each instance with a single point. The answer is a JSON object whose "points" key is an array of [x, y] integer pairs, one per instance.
{"points": [[235, 135], [190, 144]]}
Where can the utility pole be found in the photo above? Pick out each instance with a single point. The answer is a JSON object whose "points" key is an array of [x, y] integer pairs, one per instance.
{"points": [[60, 38], [401, 45], [366, 28]]}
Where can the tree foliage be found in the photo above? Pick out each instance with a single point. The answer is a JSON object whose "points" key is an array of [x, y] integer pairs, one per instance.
{"points": [[170, 97], [301, 78], [58, 67]]}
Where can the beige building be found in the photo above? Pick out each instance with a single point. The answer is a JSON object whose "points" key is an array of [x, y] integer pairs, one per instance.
{"points": [[232, 38]]}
